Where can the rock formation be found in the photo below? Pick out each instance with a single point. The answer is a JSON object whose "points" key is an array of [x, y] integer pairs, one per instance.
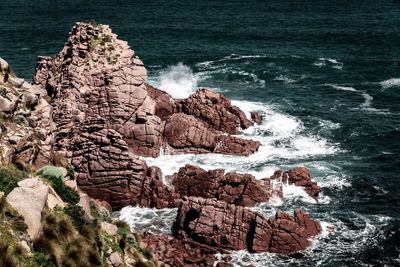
{"points": [[106, 116], [299, 176], [232, 187], [90, 107], [221, 225]]}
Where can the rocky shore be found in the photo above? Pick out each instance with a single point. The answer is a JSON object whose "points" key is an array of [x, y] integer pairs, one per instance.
{"points": [[90, 110]]}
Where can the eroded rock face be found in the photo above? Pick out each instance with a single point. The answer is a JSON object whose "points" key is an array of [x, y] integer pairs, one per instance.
{"points": [[299, 176], [26, 127], [179, 252], [215, 110], [233, 188], [186, 134], [221, 225]]}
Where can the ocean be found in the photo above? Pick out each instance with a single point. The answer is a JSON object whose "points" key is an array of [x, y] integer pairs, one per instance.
{"points": [[325, 75]]}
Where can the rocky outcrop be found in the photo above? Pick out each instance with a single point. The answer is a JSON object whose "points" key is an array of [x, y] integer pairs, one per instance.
{"points": [[221, 225], [29, 200], [215, 110], [186, 134], [26, 126], [179, 252], [231, 187], [299, 176], [106, 116]]}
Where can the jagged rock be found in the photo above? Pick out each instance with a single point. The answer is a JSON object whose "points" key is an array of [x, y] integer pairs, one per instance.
{"points": [[186, 134], [169, 251], [233, 188], [255, 117], [299, 176], [214, 109], [29, 200], [165, 105], [226, 226]]}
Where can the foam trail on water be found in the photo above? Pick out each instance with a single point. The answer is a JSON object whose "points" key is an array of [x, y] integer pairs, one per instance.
{"points": [[343, 88], [392, 82], [178, 81]]}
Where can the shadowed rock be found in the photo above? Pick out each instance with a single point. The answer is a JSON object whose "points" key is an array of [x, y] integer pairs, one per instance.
{"points": [[225, 226]]}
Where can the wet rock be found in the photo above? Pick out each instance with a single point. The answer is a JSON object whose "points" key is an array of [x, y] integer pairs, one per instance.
{"points": [[226, 226], [255, 117], [232, 187], [186, 134], [215, 110], [299, 176]]}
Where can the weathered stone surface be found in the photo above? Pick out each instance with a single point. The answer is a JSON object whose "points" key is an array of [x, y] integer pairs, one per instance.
{"points": [[165, 105], [29, 199], [299, 176], [169, 251], [109, 228], [214, 109], [233, 188], [226, 226], [186, 134]]}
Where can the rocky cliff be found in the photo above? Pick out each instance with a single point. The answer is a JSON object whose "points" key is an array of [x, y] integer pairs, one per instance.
{"points": [[90, 110]]}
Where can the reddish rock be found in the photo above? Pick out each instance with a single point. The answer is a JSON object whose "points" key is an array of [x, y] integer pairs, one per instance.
{"points": [[233, 188], [299, 176], [179, 252], [255, 117], [165, 105], [186, 134], [215, 110], [226, 226]]}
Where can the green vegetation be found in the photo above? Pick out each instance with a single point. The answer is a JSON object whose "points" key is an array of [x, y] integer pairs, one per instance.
{"points": [[9, 177], [55, 176]]}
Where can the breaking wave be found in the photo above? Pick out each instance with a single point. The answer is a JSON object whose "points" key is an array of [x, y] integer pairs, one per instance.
{"points": [[393, 82], [178, 81]]}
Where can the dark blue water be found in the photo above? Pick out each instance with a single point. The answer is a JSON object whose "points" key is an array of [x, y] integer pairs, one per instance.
{"points": [[327, 73]]}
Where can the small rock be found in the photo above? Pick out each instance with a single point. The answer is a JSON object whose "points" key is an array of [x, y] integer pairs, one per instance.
{"points": [[109, 228], [115, 259]]}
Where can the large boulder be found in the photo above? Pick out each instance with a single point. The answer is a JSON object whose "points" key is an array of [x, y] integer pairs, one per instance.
{"points": [[232, 187], [187, 134], [214, 109], [226, 226], [29, 200]]}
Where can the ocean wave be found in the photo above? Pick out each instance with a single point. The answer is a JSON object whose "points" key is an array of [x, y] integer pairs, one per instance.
{"points": [[366, 105], [178, 81], [231, 57], [392, 82], [343, 88], [331, 62], [345, 241], [282, 137], [156, 221], [284, 79]]}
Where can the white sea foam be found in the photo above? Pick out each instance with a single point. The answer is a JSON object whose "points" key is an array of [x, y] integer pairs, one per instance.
{"points": [[331, 62], [343, 88], [392, 82], [282, 137], [366, 106], [178, 81], [284, 79], [155, 221]]}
